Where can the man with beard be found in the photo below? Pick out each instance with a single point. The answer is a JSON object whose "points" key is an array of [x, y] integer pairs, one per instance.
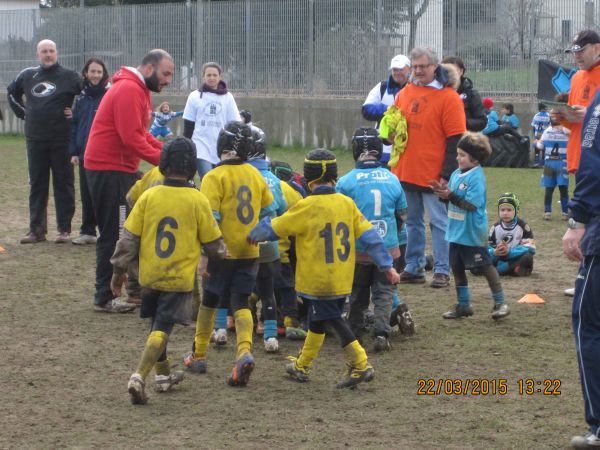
{"points": [[118, 140]]}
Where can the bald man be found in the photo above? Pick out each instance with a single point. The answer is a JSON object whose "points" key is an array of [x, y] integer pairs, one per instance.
{"points": [[48, 89]]}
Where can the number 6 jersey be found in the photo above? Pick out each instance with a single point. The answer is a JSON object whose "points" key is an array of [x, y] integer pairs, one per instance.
{"points": [[172, 222]]}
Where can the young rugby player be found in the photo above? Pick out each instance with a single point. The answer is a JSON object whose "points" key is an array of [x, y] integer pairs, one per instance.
{"points": [[236, 192], [467, 225], [166, 228], [325, 226]]}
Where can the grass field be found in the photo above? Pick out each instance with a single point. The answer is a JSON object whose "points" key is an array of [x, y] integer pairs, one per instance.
{"points": [[65, 368]]}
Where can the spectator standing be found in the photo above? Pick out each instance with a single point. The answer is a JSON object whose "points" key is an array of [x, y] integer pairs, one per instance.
{"points": [[474, 110], [382, 96], [586, 52], [95, 84], [118, 140], [436, 121], [206, 112], [49, 90], [581, 243]]}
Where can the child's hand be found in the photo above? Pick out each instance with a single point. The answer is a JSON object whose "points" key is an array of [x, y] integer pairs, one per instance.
{"points": [[202, 265], [501, 250], [392, 276], [116, 283]]}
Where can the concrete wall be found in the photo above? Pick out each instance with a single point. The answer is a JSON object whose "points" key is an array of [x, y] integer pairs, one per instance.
{"points": [[309, 122]]}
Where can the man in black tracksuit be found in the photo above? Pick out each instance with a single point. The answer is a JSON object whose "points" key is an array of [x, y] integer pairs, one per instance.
{"points": [[49, 90]]}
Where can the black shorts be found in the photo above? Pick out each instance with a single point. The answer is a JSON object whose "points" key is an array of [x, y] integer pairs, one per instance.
{"points": [[324, 309], [166, 307], [237, 276], [469, 257], [284, 278]]}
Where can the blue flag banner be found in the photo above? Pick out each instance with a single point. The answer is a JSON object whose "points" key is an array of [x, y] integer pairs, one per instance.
{"points": [[553, 79]]}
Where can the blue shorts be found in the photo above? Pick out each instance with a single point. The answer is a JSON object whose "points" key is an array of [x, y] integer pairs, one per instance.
{"points": [[324, 309], [160, 131], [166, 307], [467, 257], [555, 173], [285, 277], [236, 276]]}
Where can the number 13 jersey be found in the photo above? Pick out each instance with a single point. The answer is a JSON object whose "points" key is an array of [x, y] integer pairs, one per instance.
{"points": [[326, 226]]}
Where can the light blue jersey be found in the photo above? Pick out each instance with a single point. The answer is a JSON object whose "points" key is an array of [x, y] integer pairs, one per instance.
{"points": [[468, 227], [554, 141], [540, 122], [378, 195]]}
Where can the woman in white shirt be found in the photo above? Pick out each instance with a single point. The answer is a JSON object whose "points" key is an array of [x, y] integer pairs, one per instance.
{"points": [[206, 112]]}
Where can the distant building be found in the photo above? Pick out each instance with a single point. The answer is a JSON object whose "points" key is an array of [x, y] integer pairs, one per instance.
{"points": [[7, 5]]}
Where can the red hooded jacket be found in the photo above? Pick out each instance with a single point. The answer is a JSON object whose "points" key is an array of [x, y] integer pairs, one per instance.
{"points": [[119, 137]]}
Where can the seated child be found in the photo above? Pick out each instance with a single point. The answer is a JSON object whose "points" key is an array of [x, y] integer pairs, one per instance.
{"points": [[511, 244], [167, 239], [467, 225], [509, 117], [553, 145], [162, 116]]}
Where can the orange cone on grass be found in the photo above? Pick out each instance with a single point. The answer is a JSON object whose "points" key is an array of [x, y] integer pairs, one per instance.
{"points": [[532, 298]]}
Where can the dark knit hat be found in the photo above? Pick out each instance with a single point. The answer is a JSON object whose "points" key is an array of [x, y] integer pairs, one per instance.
{"points": [[320, 165], [477, 145]]}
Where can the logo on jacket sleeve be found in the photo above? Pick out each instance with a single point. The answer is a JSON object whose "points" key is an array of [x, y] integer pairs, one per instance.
{"points": [[43, 89]]}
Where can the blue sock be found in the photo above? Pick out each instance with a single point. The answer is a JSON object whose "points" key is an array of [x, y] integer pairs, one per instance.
{"points": [[395, 299], [498, 297], [270, 329], [464, 295], [221, 319]]}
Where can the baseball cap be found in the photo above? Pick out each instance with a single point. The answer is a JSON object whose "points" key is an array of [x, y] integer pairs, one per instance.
{"points": [[582, 39], [399, 62]]}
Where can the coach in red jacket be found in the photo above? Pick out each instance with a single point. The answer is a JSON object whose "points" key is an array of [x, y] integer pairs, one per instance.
{"points": [[119, 138]]}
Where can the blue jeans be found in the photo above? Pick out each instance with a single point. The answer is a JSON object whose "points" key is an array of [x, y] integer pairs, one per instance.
{"points": [[204, 167], [415, 228]]}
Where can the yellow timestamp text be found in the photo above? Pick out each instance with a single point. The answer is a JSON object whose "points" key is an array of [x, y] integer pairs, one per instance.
{"points": [[488, 386]]}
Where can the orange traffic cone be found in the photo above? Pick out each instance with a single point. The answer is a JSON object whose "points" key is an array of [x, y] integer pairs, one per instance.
{"points": [[532, 298]]}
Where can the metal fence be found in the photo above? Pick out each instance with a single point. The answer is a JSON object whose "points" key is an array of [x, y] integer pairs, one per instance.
{"points": [[307, 47]]}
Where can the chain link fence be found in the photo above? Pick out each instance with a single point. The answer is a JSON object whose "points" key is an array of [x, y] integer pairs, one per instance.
{"points": [[307, 47]]}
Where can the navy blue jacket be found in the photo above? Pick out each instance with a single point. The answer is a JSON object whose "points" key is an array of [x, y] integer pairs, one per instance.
{"points": [[84, 111], [585, 204]]}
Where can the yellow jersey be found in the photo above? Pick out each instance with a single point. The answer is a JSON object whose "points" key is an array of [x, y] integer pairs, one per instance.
{"points": [[236, 192], [172, 223], [325, 227], [291, 196], [151, 178]]}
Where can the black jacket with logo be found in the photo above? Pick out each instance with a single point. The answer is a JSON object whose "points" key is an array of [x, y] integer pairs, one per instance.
{"points": [[47, 91]]}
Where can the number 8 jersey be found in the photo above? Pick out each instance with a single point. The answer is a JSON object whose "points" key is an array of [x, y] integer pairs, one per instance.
{"points": [[172, 222], [236, 192], [326, 226]]}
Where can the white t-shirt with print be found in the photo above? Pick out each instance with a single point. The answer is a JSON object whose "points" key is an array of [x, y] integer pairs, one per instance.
{"points": [[210, 113]]}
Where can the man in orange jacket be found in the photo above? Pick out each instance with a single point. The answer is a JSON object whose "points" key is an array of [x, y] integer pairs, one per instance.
{"points": [[436, 120], [586, 52]]}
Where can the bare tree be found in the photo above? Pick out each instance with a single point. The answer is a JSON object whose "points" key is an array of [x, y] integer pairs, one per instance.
{"points": [[411, 11], [521, 17]]}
